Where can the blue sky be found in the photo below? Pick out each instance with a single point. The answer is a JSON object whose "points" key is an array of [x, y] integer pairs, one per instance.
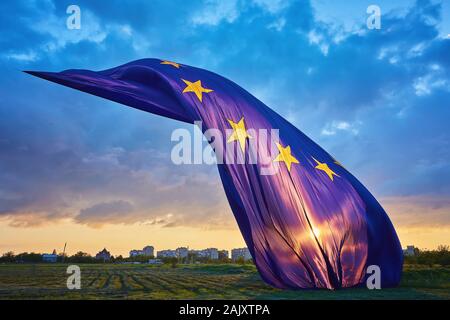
{"points": [[378, 100]]}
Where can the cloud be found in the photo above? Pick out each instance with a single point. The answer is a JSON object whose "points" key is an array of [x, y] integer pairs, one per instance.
{"points": [[272, 6], [418, 211], [318, 39], [216, 11], [109, 186], [332, 128], [53, 25], [435, 79], [375, 99], [29, 56], [104, 212]]}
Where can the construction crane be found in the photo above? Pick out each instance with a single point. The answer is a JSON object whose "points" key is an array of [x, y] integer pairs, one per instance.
{"points": [[64, 252]]}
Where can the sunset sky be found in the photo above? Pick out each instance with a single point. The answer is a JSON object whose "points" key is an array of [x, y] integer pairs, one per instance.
{"points": [[83, 170]]}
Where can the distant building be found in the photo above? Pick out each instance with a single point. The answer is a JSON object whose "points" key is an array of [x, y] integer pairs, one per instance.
{"points": [[147, 251], [409, 251], [155, 261], [194, 252], [104, 255], [52, 258], [135, 253], [49, 258], [238, 253], [182, 252], [210, 253], [223, 254], [166, 254]]}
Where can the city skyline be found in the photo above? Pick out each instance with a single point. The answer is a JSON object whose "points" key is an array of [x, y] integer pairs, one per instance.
{"points": [[156, 250], [139, 252]]}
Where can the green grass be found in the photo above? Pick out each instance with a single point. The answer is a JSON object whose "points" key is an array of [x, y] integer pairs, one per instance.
{"points": [[107, 281]]}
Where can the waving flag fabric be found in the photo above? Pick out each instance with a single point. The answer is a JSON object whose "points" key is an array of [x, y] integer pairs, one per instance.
{"points": [[308, 224]]}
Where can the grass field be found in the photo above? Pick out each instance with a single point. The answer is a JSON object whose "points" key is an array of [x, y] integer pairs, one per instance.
{"points": [[108, 281]]}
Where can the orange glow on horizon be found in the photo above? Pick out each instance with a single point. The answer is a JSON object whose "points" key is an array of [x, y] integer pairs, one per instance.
{"points": [[120, 239]]}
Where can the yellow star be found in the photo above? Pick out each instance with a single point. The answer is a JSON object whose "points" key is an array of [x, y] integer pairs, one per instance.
{"points": [[285, 156], [324, 167], [239, 133], [174, 64], [195, 87]]}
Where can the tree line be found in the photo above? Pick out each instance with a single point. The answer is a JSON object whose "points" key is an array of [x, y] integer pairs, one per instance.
{"points": [[440, 256], [83, 257]]}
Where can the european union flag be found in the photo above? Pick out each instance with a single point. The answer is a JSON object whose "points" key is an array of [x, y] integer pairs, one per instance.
{"points": [[307, 224]]}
